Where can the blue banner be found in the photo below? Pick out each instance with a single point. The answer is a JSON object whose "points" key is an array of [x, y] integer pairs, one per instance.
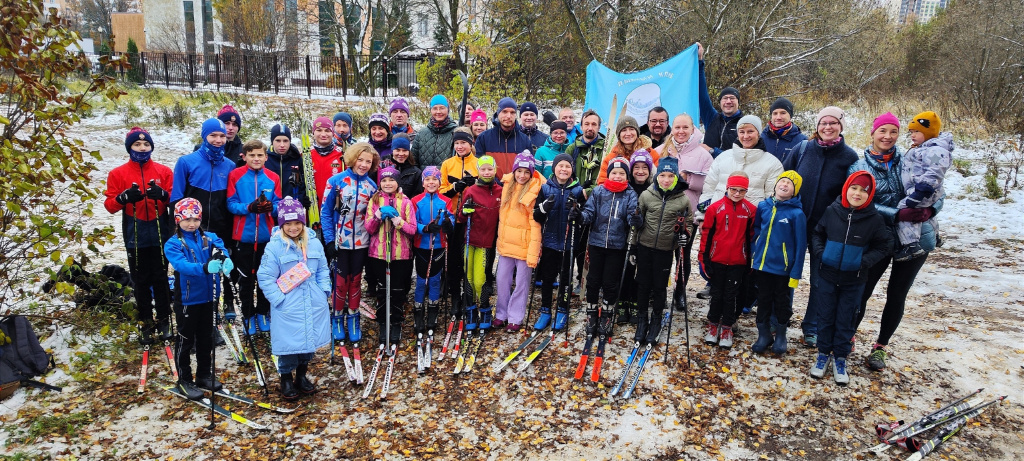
{"points": [[671, 84]]}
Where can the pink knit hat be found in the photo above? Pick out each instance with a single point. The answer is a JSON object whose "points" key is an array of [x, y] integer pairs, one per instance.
{"points": [[885, 119], [478, 116]]}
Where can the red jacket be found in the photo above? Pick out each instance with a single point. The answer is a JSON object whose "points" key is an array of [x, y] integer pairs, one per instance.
{"points": [[727, 232], [483, 229], [139, 219], [325, 166]]}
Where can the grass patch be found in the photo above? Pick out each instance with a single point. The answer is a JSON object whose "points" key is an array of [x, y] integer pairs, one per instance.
{"points": [[962, 166]]}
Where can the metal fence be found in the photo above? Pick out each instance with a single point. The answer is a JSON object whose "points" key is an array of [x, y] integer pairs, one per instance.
{"points": [[361, 75]]}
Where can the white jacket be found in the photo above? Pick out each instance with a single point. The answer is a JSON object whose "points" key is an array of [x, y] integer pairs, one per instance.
{"points": [[761, 167]]}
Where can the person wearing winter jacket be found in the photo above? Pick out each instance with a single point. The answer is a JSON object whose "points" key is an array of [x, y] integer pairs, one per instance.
{"points": [[294, 275], [641, 167], [926, 161], [391, 222], [398, 117], [848, 239], [198, 259], [434, 223], [662, 223], [657, 128], [327, 158], [232, 124], [629, 140], [558, 196], [285, 160], [460, 170], [343, 130], [554, 145], [139, 190], [504, 141], [518, 244], [720, 128], [822, 161], [528, 125], [588, 151], [408, 168], [346, 201], [433, 145], [380, 135], [567, 115], [780, 240], [748, 156], [478, 123], [477, 209], [606, 212], [725, 253], [253, 193], [781, 135]]}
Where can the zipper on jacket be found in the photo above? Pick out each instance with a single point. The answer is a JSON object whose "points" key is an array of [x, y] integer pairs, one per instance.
{"points": [[608, 228], [846, 240], [785, 255], [768, 238]]}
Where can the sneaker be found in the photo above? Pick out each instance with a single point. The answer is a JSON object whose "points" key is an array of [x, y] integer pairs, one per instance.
{"points": [[513, 327], [810, 340], [190, 390], [497, 323], [839, 371], [712, 336], [908, 252], [820, 365], [263, 322], [876, 361], [725, 338], [705, 293]]}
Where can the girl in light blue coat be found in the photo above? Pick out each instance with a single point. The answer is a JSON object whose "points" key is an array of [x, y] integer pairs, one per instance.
{"points": [[295, 278]]}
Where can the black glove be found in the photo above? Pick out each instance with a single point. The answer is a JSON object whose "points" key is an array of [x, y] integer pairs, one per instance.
{"points": [[293, 179], [574, 214], [130, 195], [703, 206], [432, 228], [549, 117], [460, 186], [635, 220], [539, 216], [588, 184], [547, 204], [330, 251], [155, 192], [304, 201], [253, 207], [446, 225]]}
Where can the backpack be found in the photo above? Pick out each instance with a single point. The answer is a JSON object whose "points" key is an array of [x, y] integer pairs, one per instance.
{"points": [[23, 358], [107, 290]]}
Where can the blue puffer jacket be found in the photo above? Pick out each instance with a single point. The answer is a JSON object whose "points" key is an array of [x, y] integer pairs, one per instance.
{"points": [[557, 219], [430, 207], [824, 172], [301, 324], [780, 146], [848, 242], [889, 192], [188, 253], [780, 237], [244, 187], [607, 213]]}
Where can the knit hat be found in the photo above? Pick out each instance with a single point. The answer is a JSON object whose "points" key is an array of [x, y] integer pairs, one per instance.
{"points": [[525, 160], [280, 129], [832, 111], [342, 116], [727, 91], [750, 120], [431, 171], [136, 134], [439, 100], [485, 160], [507, 103], [885, 119], [793, 177], [478, 116], [617, 162], [641, 155], [781, 103], [187, 208], [323, 122], [229, 114], [387, 172], [401, 141], [459, 135], [926, 122], [381, 119], [863, 179], [399, 104], [559, 125], [213, 125], [528, 107], [563, 157], [626, 122], [741, 182], [669, 164], [288, 210]]}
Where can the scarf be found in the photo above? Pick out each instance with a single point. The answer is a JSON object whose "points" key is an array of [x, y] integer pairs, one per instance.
{"points": [[396, 130], [616, 186], [829, 143], [139, 157], [885, 158], [781, 131], [324, 150], [381, 145], [344, 139], [675, 181], [214, 155], [438, 124]]}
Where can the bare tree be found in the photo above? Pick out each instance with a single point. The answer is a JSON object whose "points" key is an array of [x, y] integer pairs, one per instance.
{"points": [[95, 15]]}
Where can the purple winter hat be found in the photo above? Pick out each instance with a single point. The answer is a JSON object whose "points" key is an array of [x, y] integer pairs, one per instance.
{"points": [[289, 210], [387, 172], [525, 160]]}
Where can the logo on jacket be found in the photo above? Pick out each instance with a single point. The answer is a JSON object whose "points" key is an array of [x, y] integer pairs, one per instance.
{"points": [[784, 221]]}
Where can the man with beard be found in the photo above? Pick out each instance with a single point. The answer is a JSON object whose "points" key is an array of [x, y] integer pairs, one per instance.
{"points": [[656, 127]]}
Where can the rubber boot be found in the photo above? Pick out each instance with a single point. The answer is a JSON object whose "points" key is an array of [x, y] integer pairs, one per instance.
{"points": [[338, 327], [355, 333], [485, 317], [418, 317], [471, 317], [779, 345], [561, 318], [543, 319], [681, 304], [591, 327], [302, 383], [764, 338], [263, 322], [288, 387]]}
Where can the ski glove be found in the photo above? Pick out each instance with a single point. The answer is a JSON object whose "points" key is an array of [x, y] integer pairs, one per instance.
{"points": [[431, 228], [682, 238], [213, 266], [388, 212], [446, 226], [548, 203], [539, 215], [793, 283], [635, 220], [703, 206], [915, 215], [131, 195], [155, 192], [330, 251], [253, 207], [460, 186], [227, 266]]}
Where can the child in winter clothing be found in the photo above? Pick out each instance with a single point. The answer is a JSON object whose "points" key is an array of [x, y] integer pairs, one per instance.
{"points": [[434, 222], [139, 189], [478, 211], [663, 222], [555, 145], [628, 141], [850, 237], [478, 123], [301, 314], [926, 162], [408, 173], [725, 253], [199, 259], [607, 212], [380, 134], [391, 222], [326, 155], [458, 172], [253, 193], [286, 160], [641, 167], [560, 194], [343, 129], [346, 201], [519, 240], [780, 240]]}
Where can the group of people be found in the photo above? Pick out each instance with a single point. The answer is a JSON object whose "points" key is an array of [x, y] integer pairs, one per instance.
{"points": [[450, 201]]}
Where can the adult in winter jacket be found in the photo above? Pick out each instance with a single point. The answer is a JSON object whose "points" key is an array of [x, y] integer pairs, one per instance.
{"points": [[747, 156], [398, 119], [554, 145], [380, 135], [569, 117], [822, 161], [629, 140], [781, 135], [528, 125], [587, 151], [719, 127], [657, 127], [504, 141], [884, 160], [285, 160], [433, 145], [203, 175], [408, 169]]}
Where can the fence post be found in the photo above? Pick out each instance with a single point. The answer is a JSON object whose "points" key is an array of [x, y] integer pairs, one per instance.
{"points": [[142, 67], [344, 78], [216, 68], [276, 88], [167, 73], [384, 62], [245, 71], [191, 71], [309, 81]]}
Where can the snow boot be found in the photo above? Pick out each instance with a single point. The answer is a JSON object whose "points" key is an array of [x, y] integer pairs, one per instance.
{"points": [[764, 338], [163, 329], [512, 327], [337, 327], [725, 337], [250, 325], [561, 318], [591, 327], [288, 387], [418, 314], [712, 336], [485, 317], [263, 322], [810, 340], [355, 333], [820, 365], [190, 390], [876, 361], [543, 319], [302, 383], [839, 371], [471, 317], [779, 346], [209, 383]]}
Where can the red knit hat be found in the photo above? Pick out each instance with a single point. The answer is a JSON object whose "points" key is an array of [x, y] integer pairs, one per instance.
{"points": [[863, 179]]}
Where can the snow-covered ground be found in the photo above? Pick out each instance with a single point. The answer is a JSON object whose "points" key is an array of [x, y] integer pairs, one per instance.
{"points": [[962, 330]]}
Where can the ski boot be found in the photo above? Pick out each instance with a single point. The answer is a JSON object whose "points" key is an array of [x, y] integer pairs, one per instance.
{"points": [[591, 327], [337, 326], [607, 320], [263, 322], [209, 383], [190, 390], [163, 330], [418, 317], [396, 332], [561, 318], [486, 317], [250, 325], [764, 338], [355, 333], [543, 319], [432, 312], [622, 316], [302, 383], [471, 317], [655, 328], [681, 301], [146, 335], [288, 387]]}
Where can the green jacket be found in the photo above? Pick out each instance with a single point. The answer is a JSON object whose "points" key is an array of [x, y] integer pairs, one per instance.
{"points": [[660, 210], [588, 161]]}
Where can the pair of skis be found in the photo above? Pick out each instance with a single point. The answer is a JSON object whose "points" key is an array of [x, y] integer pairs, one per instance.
{"points": [[145, 365], [464, 362], [581, 368], [548, 337], [635, 377], [372, 379], [205, 403], [952, 418]]}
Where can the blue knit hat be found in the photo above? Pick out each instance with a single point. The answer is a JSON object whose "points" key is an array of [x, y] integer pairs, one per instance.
{"points": [[342, 116], [439, 100], [280, 129], [507, 103], [401, 141], [528, 107], [669, 164], [213, 125]]}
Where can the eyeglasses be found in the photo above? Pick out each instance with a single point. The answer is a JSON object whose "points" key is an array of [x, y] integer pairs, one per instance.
{"points": [[652, 121], [827, 124], [737, 190]]}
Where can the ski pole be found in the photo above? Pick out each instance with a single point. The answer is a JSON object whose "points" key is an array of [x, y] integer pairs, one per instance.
{"points": [[566, 285], [213, 360]]}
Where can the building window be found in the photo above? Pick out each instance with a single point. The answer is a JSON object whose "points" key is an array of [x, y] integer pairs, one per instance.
{"points": [[207, 27], [190, 27], [424, 26]]}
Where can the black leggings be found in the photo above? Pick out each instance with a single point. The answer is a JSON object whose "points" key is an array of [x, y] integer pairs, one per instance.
{"points": [[604, 273], [552, 267], [900, 280], [148, 269]]}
